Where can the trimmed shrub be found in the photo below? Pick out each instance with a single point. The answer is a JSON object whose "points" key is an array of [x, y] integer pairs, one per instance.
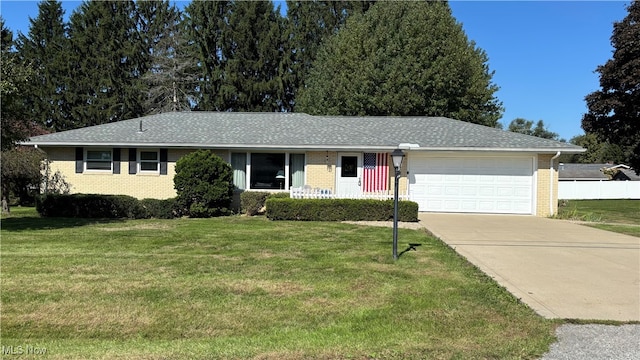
{"points": [[339, 210], [159, 209], [104, 206], [204, 183], [251, 202], [90, 206], [279, 195]]}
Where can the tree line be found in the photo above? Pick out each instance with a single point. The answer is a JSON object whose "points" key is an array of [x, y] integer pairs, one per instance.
{"points": [[115, 60]]}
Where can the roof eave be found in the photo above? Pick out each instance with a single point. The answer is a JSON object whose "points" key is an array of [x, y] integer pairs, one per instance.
{"points": [[509, 150], [312, 147]]}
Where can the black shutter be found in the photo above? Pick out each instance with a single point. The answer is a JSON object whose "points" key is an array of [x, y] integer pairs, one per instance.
{"points": [[116, 160], [79, 160], [163, 161], [133, 161]]}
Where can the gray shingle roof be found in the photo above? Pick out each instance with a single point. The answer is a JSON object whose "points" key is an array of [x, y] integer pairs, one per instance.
{"points": [[572, 171], [298, 131]]}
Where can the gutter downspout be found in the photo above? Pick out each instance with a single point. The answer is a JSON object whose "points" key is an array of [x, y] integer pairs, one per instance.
{"points": [[551, 213]]}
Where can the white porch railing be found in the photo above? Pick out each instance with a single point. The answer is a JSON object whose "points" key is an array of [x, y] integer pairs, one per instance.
{"points": [[307, 192]]}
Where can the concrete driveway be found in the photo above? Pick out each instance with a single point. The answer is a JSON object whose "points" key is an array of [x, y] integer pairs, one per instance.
{"points": [[560, 269]]}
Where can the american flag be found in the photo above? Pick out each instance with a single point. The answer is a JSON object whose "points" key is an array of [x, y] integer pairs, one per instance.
{"points": [[376, 172]]}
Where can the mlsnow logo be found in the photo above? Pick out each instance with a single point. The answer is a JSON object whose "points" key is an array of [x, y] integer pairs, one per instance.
{"points": [[23, 350]]}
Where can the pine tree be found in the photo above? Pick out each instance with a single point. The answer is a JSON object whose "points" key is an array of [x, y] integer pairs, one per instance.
{"points": [[308, 25], [206, 28], [385, 63], [254, 52], [46, 49], [108, 59], [614, 110]]}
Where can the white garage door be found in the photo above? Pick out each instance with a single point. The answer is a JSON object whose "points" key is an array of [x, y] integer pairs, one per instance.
{"points": [[472, 184]]}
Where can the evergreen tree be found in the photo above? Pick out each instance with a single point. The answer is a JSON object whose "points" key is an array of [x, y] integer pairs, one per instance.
{"points": [[402, 58], [309, 24], [255, 50], [614, 110], [46, 49], [206, 28], [108, 58]]}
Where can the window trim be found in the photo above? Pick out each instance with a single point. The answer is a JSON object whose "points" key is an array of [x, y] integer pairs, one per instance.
{"points": [[86, 161], [140, 161], [287, 181]]}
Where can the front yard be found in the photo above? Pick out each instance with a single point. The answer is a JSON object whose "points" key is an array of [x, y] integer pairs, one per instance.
{"points": [[238, 287]]}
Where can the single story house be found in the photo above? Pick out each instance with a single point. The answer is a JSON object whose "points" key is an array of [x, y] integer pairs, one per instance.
{"points": [[450, 165], [596, 172]]}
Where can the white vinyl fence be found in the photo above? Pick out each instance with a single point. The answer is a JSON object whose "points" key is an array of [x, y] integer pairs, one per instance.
{"points": [[317, 193], [598, 189]]}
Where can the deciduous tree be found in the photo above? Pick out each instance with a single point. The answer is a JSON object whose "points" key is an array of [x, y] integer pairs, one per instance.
{"points": [[21, 176], [524, 126], [598, 152], [15, 76], [614, 110], [170, 80]]}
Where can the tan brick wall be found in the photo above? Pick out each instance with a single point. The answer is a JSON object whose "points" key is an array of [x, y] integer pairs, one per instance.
{"points": [[544, 186], [320, 173], [321, 169], [137, 185]]}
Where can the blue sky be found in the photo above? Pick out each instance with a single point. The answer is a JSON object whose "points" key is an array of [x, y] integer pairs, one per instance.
{"points": [[544, 53]]}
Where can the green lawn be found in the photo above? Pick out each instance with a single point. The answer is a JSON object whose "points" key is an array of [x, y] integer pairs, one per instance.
{"points": [[238, 287], [614, 215]]}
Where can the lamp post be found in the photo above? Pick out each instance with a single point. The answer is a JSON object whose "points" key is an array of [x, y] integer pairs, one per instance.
{"points": [[396, 156]]}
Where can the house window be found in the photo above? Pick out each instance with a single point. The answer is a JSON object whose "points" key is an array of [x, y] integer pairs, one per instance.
{"points": [[267, 171], [149, 161], [98, 160], [349, 166]]}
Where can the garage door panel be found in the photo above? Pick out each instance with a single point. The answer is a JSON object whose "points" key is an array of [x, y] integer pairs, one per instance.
{"points": [[469, 191], [452, 190], [468, 206], [486, 190], [505, 191], [475, 184], [522, 192], [486, 205]]}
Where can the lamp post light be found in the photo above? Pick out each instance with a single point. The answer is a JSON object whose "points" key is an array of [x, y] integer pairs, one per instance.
{"points": [[396, 156]]}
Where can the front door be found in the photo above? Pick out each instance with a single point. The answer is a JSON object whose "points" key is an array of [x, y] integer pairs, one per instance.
{"points": [[349, 175]]}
